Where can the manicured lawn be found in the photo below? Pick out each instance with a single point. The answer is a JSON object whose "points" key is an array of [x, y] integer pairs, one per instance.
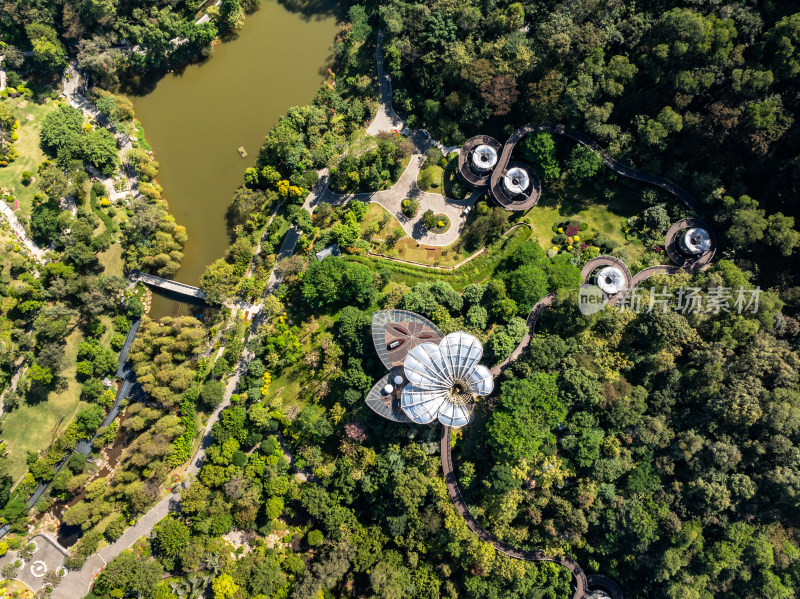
{"points": [[111, 260], [406, 248], [140, 138], [30, 116], [11, 587], [477, 270], [33, 427]]}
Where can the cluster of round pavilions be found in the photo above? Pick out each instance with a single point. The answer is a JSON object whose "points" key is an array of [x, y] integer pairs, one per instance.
{"points": [[483, 163], [432, 375], [690, 244]]}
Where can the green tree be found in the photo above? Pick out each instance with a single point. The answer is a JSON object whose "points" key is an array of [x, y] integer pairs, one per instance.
{"points": [[526, 411], [540, 149], [47, 49], [584, 163], [218, 282], [170, 539]]}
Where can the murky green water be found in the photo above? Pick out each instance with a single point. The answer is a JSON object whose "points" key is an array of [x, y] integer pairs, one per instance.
{"points": [[196, 119]]}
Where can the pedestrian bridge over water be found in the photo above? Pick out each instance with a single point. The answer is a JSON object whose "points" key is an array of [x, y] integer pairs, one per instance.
{"points": [[170, 286]]}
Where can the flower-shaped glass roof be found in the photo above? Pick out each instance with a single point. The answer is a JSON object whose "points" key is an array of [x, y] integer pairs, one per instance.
{"points": [[443, 379]]}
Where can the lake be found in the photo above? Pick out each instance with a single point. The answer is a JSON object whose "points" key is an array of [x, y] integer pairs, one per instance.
{"points": [[196, 119]]}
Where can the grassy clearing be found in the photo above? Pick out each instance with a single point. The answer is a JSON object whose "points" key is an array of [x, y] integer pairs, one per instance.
{"points": [[14, 588], [140, 138], [585, 203], [297, 380], [111, 260], [33, 427], [450, 255], [431, 179], [30, 116]]}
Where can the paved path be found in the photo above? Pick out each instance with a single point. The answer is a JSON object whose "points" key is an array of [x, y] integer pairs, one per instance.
{"points": [[35, 251], [406, 187], [387, 120], [206, 18]]}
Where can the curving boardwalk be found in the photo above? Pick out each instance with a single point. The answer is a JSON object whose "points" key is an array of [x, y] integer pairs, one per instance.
{"points": [[671, 245], [602, 261], [464, 168], [543, 303], [612, 163], [582, 582]]}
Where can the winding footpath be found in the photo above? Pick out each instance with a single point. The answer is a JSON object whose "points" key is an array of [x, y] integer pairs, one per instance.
{"points": [[388, 121], [17, 228], [612, 163], [584, 585]]}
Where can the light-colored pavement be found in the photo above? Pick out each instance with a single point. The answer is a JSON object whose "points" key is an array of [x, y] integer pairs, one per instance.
{"points": [[205, 18], [406, 187], [48, 557], [36, 251]]}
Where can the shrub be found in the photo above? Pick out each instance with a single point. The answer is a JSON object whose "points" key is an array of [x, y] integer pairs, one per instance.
{"points": [[315, 538], [410, 207], [434, 156], [458, 191], [27, 177]]}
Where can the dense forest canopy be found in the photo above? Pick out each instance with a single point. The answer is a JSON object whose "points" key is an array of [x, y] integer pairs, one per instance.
{"points": [[704, 93], [659, 448]]}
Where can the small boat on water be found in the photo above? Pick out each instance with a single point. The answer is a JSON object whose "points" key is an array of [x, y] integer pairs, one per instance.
{"points": [[242, 151]]}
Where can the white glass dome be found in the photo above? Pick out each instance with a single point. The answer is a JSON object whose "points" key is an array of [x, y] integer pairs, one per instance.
{"points": [[398, 380], [610, 280], [516, 181], [443, 379], [484, 157], [388, 389], [695, 241]]}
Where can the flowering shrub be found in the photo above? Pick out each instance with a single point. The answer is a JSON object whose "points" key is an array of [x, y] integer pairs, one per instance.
{"points": [[572, 231]]}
